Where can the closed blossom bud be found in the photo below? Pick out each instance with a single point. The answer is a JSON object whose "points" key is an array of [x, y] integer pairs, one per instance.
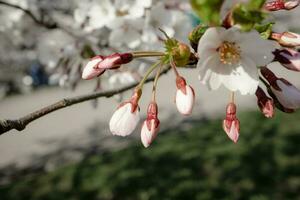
{"points": [[288, 39], [285, 93], [185, 97], [91, 69], [181, 54], [196, 35], [126, 117], [97, 65], [289, 58], [291, 4], [150, 126], [231, 124], [276, 5], [265, 103]]}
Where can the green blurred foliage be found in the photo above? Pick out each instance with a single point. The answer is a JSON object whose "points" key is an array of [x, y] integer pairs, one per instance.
{"points": [[247, 18], [208, 10], [265, 30], [248, 15], [196, 34], [256, 4], [192, 161]]}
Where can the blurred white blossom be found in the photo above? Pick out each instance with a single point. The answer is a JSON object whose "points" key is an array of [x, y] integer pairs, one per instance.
{"points": [[126, 32], [121, 78], [9, 16], [103, 25], [95, 14], [51, 46]]}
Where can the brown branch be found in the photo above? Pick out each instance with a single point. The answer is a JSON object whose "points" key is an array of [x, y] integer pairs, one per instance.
{"points": [[21, 123], [30, 14]]}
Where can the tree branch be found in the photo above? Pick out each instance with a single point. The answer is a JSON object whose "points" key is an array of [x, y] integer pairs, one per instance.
{"points": [[30, 14], [48, 25], [21, 123]]}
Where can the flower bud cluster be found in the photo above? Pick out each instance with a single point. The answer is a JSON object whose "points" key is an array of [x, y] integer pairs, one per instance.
{"points": [[276, 5]]}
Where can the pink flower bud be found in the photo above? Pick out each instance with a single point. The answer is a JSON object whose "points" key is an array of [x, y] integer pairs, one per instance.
{"points": [[289, 58], [276, 5], [97, 65], [265, 103], [288, 39], [285, 93], [150, 126], [185, 97], [126, 117], [291, 4], [91, 70], [231, 124]]}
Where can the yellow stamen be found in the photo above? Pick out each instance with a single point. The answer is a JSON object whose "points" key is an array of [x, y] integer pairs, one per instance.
{"points": [[230, 53]]}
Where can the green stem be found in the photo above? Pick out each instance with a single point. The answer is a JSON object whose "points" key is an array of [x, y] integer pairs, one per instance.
{"points": [[150, 70], [155, 82], [140, 54], [173, 65], [232, 95]]}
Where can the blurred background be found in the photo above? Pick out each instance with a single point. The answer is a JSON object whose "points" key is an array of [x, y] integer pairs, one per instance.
{"points": [[70, 154]]}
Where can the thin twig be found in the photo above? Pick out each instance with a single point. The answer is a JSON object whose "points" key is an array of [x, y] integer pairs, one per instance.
{"points": [[30, 14], [21, 123]]}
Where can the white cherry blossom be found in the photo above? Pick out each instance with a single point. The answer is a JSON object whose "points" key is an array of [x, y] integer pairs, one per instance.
{"points": [[288, 95], [126, 32], [230, 57], [124, 121], [94, 15]]}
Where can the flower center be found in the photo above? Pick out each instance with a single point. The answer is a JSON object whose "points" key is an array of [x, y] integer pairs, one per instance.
{"points": [[229, 53], [121, 13]]}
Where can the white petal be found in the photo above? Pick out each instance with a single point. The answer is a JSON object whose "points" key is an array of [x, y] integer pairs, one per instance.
{"points": [[291, 38], [90, 71], [136, 11], [133, 39], [101, 14], [160, 15], [123, 122], [215, 81], [233, 133], [144, 3], [185, 102], [233, 34], [116, 38], [211, 72], [210, 41], [126, 78], [289, 97], [147, 136], [256, 48], [149, 35], [244, 78]]}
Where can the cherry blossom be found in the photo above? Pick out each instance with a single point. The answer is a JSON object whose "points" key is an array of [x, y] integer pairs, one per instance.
{"points": [[150, 126], [289, 58], [185, 97], [126, 117], [97, 65], [287, 39], [286, 93], [265, 103], [231, 124], [230, 57]]}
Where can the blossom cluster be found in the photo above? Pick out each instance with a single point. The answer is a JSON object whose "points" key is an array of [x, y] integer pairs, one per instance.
{"points": [[132, 23], [85, 28], [226, 56]]}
